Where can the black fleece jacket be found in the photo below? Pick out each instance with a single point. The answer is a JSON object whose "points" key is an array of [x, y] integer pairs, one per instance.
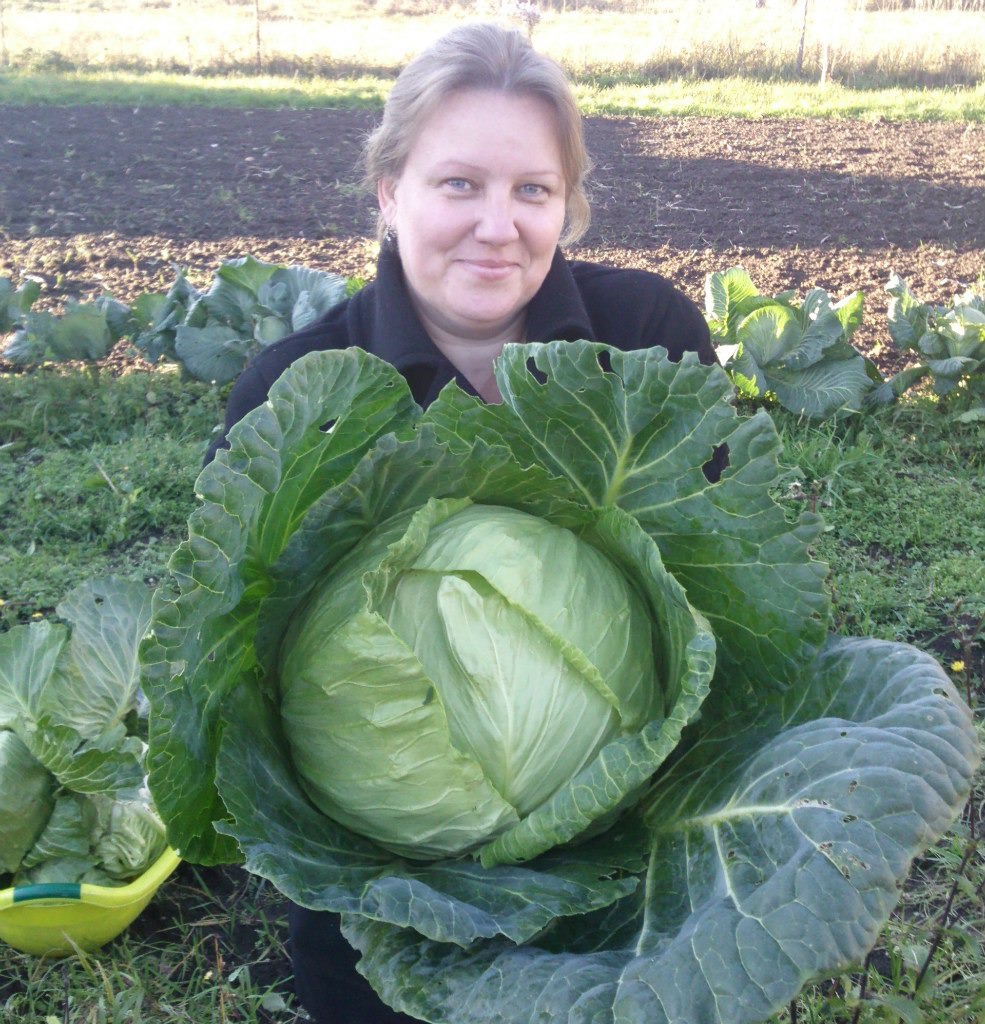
{"points": [[628, 309]]}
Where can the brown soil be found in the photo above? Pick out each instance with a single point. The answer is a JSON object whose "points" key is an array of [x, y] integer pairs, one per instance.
{"points": [[113, 199]]}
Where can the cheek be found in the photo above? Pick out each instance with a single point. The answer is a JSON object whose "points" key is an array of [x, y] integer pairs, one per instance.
{"points": [[544, 230], [431, 231]]}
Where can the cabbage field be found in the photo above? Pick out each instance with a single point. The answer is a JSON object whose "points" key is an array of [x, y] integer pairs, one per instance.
{"points": [[122, 201]]}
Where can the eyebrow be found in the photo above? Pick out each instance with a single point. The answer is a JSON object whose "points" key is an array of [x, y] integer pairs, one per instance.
{"points": [[464, 165]]}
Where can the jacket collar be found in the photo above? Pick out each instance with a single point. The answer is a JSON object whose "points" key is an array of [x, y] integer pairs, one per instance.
{"points": [[397, 335]]}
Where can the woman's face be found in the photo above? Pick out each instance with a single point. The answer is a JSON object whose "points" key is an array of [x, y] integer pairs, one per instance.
{"points": [[478, 210]]}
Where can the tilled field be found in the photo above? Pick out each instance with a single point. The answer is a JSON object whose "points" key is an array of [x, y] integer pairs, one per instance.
{"points": [[113, 199]]}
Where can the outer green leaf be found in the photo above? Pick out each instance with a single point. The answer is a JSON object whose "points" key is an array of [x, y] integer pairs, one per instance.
{"points": [[232, 297], [300, 295], [638, 438], [117, 314], [891, 389], [214, 352], [157, 318], [109, 618], [908, 317], [26, 800], [67, 701], [67, 837], [14, 304], [28, 655], [823, 389], [779, 840], [256, 495], [729, 296], [81, 332]]}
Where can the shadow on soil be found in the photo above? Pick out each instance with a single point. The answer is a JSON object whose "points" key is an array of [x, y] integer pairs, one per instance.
{"points": [[207, 174]]}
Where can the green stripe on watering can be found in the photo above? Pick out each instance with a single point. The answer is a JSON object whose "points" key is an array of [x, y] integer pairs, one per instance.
{"points": [[48, 891]]}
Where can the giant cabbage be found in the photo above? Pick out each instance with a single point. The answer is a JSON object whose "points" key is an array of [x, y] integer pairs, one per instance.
{"points": [[740, 825]]}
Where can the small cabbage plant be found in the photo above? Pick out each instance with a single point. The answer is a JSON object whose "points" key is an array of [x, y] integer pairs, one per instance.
{"points": [[547, 712]]}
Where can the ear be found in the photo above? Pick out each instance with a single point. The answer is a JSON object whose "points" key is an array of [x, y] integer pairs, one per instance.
{"points": [[386, 196]]}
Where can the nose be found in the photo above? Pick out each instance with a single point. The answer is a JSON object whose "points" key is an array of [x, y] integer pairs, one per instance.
{"points": [[496, 223]]}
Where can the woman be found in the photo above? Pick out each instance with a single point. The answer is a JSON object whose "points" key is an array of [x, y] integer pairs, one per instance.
{"points": [[479, 168]]}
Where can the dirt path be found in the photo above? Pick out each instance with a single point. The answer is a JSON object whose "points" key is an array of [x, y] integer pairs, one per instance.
{"points": [[113, 198]]}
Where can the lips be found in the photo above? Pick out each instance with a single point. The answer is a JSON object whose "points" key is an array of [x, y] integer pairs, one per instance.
{"points": [[490, 269]]}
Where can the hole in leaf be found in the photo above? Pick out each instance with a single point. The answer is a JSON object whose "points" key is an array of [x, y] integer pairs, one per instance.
{"points": [[844, 732], [605, 362], [853, 785], [534, 370], [327, 428], [849, 818], [210, 656], [717, 464]]}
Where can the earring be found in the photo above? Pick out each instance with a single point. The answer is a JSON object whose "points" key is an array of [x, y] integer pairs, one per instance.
{"points": [[390, 235]]}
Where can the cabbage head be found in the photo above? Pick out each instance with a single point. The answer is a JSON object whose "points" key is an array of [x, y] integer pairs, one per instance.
{"points": [[553, 720], [74, 806], [457, 669]]}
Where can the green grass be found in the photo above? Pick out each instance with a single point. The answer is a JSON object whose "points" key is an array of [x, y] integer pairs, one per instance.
{"points": [[96, 475], [901, 493], [218, 957], [611, 95]]}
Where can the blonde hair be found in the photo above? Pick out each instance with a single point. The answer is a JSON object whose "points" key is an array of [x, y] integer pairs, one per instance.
{"points": [[480, 56]]}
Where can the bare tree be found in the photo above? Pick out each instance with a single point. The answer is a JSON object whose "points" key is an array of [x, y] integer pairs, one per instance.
{"points": [[3, 36]]}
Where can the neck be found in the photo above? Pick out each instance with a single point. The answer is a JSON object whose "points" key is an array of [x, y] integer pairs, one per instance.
{"points": [[473, 357]]}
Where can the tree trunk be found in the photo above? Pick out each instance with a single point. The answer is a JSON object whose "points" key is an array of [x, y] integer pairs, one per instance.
{"points": [[803, 36], [256, 8]]}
